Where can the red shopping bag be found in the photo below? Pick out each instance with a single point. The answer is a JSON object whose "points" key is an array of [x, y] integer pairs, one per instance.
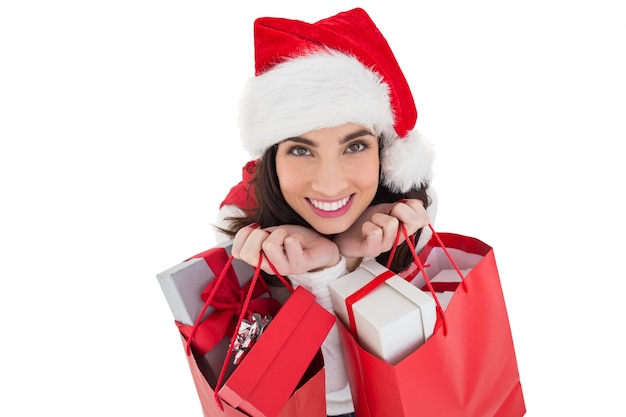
{"points": [[299, 326], [262, 384], [308, 400], [467, 368]]}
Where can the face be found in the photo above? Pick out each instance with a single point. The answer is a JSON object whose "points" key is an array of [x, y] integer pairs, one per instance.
{"points": [[329, 176]]}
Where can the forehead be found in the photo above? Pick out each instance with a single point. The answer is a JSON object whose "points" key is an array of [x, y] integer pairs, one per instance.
{"points": [[340, 133]]}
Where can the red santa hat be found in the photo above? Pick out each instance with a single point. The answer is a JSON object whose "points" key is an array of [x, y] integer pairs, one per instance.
{"points": [[324, 74]]}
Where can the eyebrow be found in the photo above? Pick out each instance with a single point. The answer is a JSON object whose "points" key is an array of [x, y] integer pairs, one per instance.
{"points": [[346, 139]]}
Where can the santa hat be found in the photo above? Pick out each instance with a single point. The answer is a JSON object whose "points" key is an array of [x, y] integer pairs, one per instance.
{"points": [[338, 70]]}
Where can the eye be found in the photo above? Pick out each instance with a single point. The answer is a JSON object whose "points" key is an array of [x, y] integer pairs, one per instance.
{"points": [[357, 147], [299, 151]]}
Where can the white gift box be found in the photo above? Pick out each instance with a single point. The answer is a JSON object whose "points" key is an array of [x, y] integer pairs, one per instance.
{"points": [[183, 284], [391, 321], [447, 275], [437, 261]]}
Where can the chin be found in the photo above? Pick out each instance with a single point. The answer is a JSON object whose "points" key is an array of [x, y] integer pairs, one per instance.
{"points": [[326, 228]]}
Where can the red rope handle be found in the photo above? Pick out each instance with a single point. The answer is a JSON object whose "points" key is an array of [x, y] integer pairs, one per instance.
{"points": [[206, 305], [244, 308], [362, 292], [449, 257], [255, 278], [393, 249], [420, 265], [280, 277]]}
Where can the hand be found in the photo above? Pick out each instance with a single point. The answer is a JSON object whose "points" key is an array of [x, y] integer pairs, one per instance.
{"points": [[291, 249], [375, 230]]}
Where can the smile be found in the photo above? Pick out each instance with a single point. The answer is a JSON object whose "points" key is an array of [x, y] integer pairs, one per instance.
{"points": [[329, 205]]}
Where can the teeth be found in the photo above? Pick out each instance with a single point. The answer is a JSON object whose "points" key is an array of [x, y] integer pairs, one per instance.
{"points": [[330, 206]]}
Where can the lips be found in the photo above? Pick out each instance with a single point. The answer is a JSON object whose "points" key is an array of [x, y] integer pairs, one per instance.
{"points": [[331, 209], [329, 205]]}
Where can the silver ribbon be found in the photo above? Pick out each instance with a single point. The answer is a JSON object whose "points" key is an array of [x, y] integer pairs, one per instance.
{"points": [[249, 332]]}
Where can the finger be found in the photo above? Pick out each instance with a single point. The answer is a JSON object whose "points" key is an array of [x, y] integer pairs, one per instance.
{"points": [[406, 210], [371, 230], [250, 250], [240, 239], [384, 208], [373, 236], [274, 249], [294, 250], [412, 214], [275, 239], [389, 225], [286, 252], [414, 203]]}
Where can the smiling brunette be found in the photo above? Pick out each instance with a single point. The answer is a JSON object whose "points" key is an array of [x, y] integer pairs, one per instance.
{"points": [[329, 176], [329, 121]]}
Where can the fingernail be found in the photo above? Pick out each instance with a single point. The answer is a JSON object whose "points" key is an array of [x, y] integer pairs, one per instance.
{"points": [[254, 226]]}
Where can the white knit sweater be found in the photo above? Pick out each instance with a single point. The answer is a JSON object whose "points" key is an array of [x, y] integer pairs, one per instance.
{"points": [[338, 397]]}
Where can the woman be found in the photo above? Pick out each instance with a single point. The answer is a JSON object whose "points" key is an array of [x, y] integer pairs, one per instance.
{"points": [[328, 118]]}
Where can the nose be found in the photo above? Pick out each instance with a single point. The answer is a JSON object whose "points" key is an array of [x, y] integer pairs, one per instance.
{"points": [[330, 178]]}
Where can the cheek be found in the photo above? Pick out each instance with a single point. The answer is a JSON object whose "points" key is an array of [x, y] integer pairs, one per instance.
{"points": [[289, 177], [367, 174]]}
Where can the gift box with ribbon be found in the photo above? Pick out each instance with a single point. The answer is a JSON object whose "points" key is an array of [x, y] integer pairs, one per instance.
{"points": [[187, 286], [182, 283], [389, 317], [445, 284], [249, 355]]}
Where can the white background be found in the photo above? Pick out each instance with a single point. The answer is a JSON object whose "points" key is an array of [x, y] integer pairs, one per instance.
{"points": [[119, 140]]}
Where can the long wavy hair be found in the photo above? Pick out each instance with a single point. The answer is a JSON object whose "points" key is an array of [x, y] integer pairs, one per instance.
{"points": [[273, 210]]}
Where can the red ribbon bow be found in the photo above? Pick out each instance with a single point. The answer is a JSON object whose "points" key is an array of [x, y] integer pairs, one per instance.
{"points": [[228, 300]]}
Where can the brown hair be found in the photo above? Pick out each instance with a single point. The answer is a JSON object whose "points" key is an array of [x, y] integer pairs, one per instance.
{"points": [[273, 210]]}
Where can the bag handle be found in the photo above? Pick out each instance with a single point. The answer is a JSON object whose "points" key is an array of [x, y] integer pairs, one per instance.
{"points": [[420, 265], [255, 278], [380, 279], [244, 308], [218, 281]]}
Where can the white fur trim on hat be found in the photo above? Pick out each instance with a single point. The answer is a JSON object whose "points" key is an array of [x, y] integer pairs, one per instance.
{"points": [[327, 88], [308, 93]]}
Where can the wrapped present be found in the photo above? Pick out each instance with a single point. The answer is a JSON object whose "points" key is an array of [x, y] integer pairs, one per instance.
{"points": [[247, 358], [184, 283], [445, 284], [436, 261], [391, 318], [186, 287]]}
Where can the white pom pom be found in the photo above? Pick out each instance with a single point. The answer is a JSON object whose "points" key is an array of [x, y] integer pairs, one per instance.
{"points": [[407, 162]]}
